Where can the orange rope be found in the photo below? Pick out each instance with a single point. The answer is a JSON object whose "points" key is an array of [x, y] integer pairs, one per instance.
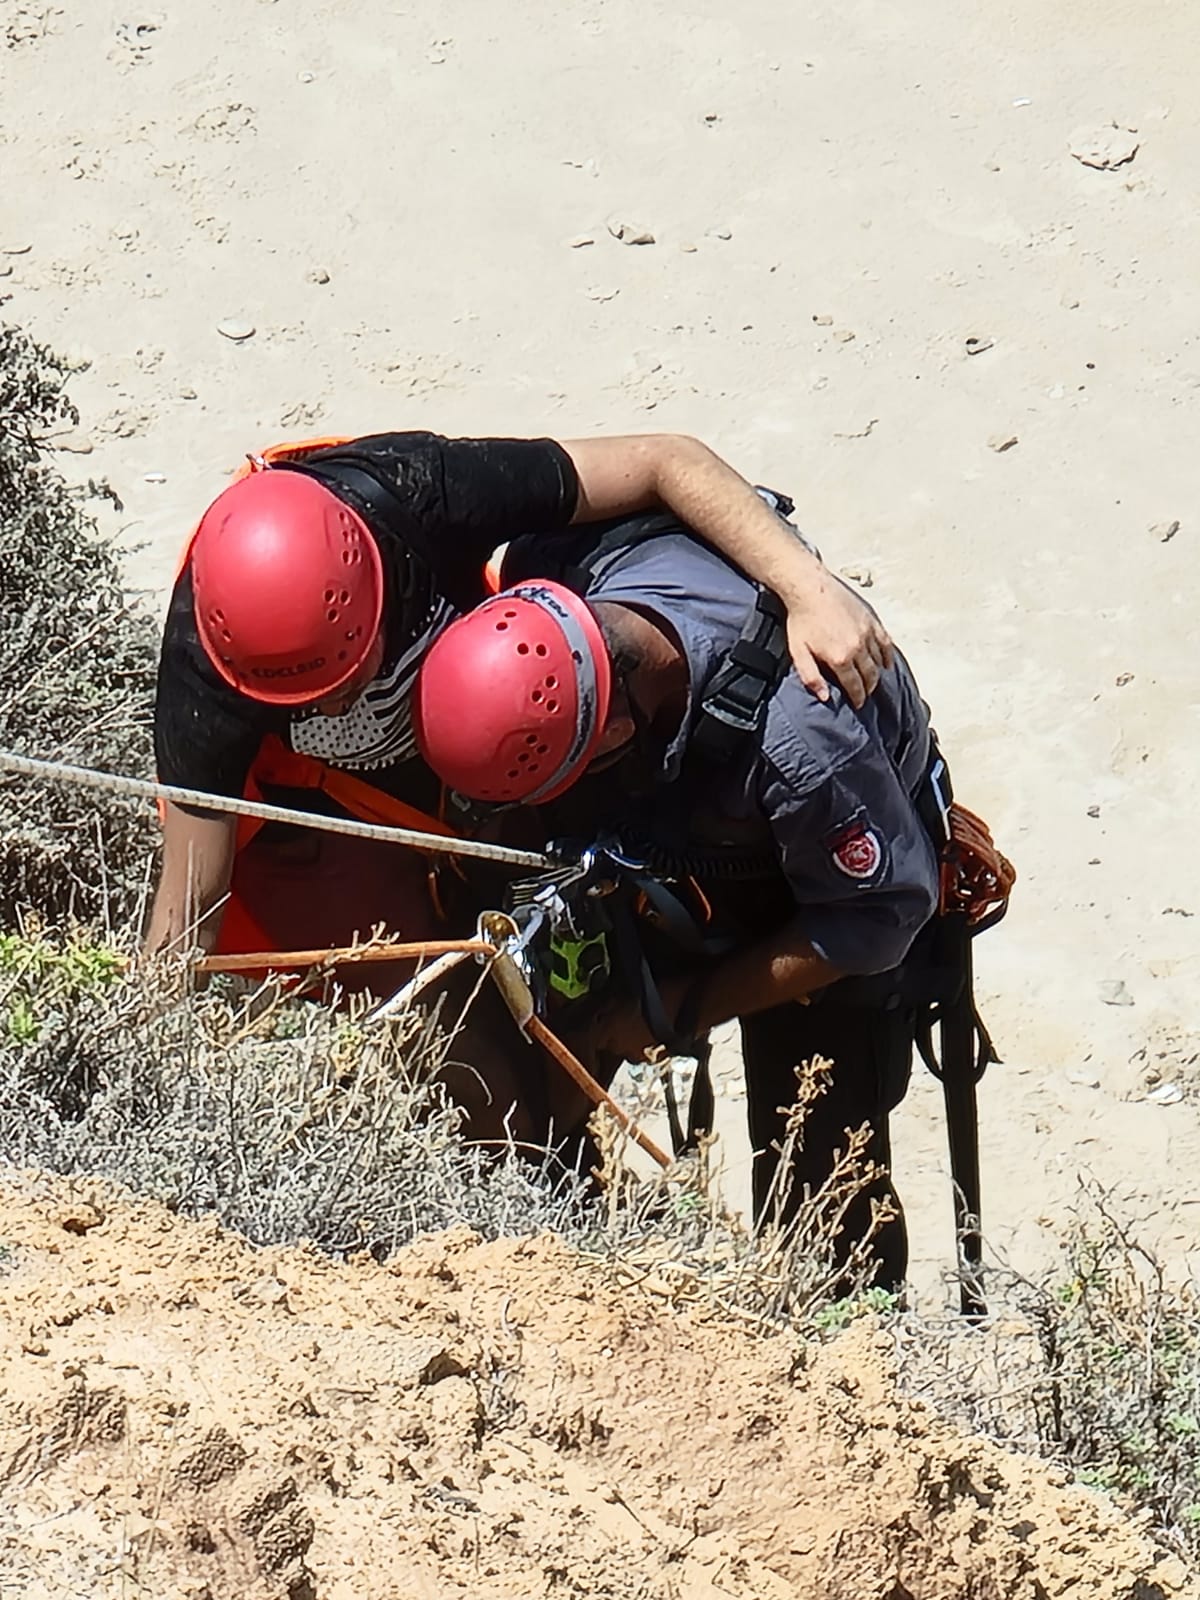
{"points": [[575, 1069], [279, 960], [535, 1027]]}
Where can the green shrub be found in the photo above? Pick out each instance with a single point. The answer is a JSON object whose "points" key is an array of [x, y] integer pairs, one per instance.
{"points": [[77, 662]]}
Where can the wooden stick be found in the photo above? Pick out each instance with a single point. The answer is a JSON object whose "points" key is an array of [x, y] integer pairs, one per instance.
{"points": [[429, 975], [342, 955], [576, 1070]]}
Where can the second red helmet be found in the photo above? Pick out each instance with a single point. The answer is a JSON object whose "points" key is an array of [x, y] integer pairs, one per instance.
{"points": [[288, 587], [512, 699]]}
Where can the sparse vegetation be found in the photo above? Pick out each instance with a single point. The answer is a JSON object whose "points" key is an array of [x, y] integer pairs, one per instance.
{"points": [[289, 1121], [77, 660]]}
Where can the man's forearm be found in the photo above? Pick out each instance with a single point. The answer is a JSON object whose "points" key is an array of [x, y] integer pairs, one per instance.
{"points": [[197, 864], [778, 970], [715, 501], [619, 476]]}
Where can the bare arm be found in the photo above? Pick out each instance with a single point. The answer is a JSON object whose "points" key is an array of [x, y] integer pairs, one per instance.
{"points": [[782, 968], [197, 865], [826, 622]]}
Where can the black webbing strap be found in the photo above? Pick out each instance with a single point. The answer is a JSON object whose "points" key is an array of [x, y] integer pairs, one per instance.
{"points": [[735, 705], [958, 1057]]}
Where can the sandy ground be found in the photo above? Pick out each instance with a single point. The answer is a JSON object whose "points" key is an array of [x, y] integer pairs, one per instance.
{"points": [[841, 197], [183, 1417]]}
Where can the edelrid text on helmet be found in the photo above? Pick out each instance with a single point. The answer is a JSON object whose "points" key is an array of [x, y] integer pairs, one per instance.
{"points": [[512, 700], [287, 586]]}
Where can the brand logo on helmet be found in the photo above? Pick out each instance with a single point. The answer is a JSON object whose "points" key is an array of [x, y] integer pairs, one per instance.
{"points": [[288, 672]]}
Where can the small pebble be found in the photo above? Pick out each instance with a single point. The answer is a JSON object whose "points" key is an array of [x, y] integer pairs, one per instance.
{"points": [[317, 275], [187, 394], [1122, 679], [1000, 442], [1083, 1080], [629, 233], [580, 240], [862, 576], [75, 443], [844, 335], [688, 249], [720, 233], [1166, 1094], [306, 77], [1165, 531], [154, 477], [823, 321], [1093, 811], [15, 249], [977, 343], [603, 294], [236, 330], [1114, 993]]}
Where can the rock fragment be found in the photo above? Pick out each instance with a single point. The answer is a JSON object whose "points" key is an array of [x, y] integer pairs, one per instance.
{"points": [[236, 329], [1104, 148], [1114, 993], [630, 233], [1000, 442]]}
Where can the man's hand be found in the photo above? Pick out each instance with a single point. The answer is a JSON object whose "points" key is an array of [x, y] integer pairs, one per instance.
{"points": [[826, 623], [830, 624], [615, 1029]]}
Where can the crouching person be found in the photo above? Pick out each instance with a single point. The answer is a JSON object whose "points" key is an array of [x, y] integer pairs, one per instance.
{"points": [[658, 708]]}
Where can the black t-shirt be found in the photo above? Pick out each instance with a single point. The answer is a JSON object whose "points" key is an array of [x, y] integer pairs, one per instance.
{"points": [[437, 508]]}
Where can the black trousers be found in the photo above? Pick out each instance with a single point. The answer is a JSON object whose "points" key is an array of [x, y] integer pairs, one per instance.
{"points": [[870, 1048]]}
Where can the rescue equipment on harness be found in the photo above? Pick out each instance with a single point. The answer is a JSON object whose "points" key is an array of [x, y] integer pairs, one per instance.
{"points": [[512, 700], [976, 882], [288, 588]]}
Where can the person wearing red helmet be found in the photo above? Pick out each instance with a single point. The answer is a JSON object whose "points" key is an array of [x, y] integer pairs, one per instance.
{"points": [[660, 712], [312, 588]]}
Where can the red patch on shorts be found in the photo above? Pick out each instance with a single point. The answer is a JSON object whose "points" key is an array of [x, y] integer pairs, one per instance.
{"points": [[857, 852]]}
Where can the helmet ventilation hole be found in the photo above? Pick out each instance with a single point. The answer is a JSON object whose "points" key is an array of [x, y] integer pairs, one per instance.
{"points": [[332, 614], [537, 697], [540, 650], [344, 597], [330, 597], [543, 749], [552, 706], [502, 627], [531, 738], [550, 681], [522, 649], [510, 614]]}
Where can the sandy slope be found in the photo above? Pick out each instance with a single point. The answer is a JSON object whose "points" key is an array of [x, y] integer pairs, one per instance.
{"points": [[900, 174], [183, 1417]]}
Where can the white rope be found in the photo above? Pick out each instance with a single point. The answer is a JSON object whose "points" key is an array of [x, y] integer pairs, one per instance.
{"points": [[143, 789]]}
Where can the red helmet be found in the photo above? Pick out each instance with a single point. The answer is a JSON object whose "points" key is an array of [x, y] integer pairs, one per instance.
{"points": [[512, 699], [288, 587]]}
